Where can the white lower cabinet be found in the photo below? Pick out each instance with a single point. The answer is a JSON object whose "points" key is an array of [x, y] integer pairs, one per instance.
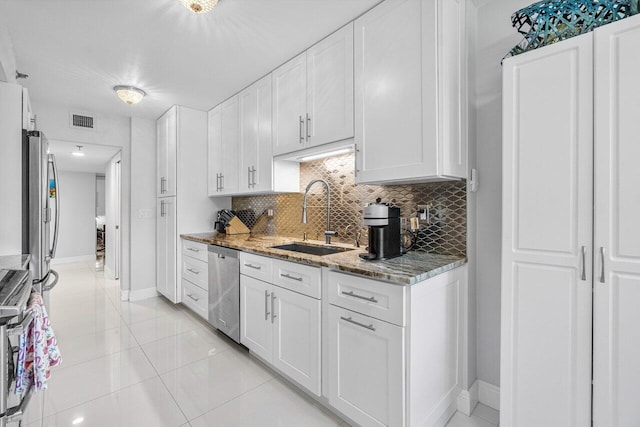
{"points": [[166, 236], [282, 327], [366, 368], [195, 278], [400, 364]]}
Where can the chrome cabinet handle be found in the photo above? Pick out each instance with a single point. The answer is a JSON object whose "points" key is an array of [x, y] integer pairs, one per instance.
{"points": [[602, 254], [255, 267], [218, 186], [193, 271], [221, 181], [193, 298], [301, 131], [288, 276], [273, 313], [161, 208], [351, 294], [266, 305], [249, 177], [253, 176], [583, 275], [308, 127], [193, 249], [362, 325], [162, 181]]}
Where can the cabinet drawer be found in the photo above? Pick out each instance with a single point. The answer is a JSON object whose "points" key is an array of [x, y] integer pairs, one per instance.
{"points": [[304, 279], [195, 271], [194, 250], [381, 300], [195, 298], [256, 266]]}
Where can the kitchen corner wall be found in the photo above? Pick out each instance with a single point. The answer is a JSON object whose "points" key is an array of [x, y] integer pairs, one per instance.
{"points": [[445, 233]]}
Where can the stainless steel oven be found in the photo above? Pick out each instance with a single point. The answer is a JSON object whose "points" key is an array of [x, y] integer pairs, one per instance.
{"points": [[15, 289]]}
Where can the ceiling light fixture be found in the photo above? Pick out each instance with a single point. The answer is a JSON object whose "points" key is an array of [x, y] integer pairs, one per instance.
{"points": [[129, 94], [78, 153], [199, 6]]}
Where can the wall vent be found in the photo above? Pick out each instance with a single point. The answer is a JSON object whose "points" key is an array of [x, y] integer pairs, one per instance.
{"points": [[82, 121]]}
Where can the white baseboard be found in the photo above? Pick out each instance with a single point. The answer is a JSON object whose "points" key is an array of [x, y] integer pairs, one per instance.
{"points": [[72, 259], [140, 294], [468, 399], [489, 395]]}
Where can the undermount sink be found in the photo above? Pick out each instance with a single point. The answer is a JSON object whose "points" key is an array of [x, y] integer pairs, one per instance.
{"points": [[312, 250]]}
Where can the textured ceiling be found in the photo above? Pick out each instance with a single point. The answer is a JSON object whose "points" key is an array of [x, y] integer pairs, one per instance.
{"points": [[75, 51]]}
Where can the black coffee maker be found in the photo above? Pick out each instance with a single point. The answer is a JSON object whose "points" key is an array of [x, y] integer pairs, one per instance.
{"points": [[384, 231]]}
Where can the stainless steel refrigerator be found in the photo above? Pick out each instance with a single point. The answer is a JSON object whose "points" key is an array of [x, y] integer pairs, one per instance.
{"points": [[40, 209]]}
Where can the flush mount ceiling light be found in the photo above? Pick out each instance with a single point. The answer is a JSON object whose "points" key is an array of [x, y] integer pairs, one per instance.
{"points": [[129, 94], [78, 153], [199, 6]]}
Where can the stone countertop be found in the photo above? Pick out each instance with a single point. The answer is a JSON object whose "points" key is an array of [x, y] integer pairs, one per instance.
{"points": [[15, 262], [408, 269]]}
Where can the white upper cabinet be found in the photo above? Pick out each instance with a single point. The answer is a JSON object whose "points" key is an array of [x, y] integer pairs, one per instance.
{"points": [[616, 227], [167, 136], [224, 140], [290, 105], [330, 88], [313, 95], [409, 92], [259, 173]]}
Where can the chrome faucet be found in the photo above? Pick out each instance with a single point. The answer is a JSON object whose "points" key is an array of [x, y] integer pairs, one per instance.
{"points": [[327, 233]]}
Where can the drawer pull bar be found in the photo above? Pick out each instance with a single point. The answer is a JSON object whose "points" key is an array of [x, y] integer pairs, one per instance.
{"points": [[288, 276], [193, 249], [193, 271], [351, 294], [193, 298], [255, 267], [350, 320]]}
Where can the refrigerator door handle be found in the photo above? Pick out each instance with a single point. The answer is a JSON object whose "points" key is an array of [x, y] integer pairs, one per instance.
{"points": [[53, 284], [54, 244]]}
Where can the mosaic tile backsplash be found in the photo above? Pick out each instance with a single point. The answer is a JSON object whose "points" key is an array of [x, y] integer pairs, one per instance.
{"points": [[445, 232]]}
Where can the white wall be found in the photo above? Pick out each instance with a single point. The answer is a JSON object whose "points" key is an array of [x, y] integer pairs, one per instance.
{"points": [[7, 57], [77, 237], [10, 169], [143, 204], [495, 38]]}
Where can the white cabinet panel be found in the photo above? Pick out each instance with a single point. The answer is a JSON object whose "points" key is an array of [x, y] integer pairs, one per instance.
{"points": [[366, 362], [230, 143], [330, 88], [167, 136], [166, 241], [195, 298], [290, 105], [256, 266], [304, 279], [617, 230], [547, 236], [256, 331], [297, 337]]}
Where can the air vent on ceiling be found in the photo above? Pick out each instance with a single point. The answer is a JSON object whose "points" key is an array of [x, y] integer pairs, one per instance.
{"points": [[81, 121]]}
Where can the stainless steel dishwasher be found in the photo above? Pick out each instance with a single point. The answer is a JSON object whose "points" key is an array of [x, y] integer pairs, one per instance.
{"points": [[224, 291]]}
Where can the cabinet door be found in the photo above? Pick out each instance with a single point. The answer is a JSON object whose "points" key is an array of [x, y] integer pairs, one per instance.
{"points": [[545, 376], [256, 331], [366, 368], [214, 136], [617, 231], [230, 142], [290, 105], [389, 93], [167, 137], [166, 255], [297, 337], [256, 161], [330, 88]]}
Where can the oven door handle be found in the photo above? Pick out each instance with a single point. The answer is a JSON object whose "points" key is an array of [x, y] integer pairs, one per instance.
{"points": [[15, 414], [19, 328]]}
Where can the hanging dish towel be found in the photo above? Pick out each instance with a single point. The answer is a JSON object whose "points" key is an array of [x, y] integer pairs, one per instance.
{"points": [[38, 349]]}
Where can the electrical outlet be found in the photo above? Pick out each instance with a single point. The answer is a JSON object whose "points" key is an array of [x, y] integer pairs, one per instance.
{"points": [[424, 211]]}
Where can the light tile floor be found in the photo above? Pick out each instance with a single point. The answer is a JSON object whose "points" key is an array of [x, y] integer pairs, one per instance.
{"points": [[150, 363]]}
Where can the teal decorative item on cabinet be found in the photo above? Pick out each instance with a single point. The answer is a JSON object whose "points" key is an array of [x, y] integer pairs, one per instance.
{"points": [[547, 22]]}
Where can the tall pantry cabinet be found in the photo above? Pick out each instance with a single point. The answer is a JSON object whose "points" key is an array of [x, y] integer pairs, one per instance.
{"points": [[571, 237], [183, 204]]}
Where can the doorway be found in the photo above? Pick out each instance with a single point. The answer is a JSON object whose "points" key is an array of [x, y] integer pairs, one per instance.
{"points": [[101, 199]]}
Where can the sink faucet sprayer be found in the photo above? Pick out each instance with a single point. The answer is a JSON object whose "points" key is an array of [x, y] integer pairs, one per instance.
{"points": [[327, 233]]}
